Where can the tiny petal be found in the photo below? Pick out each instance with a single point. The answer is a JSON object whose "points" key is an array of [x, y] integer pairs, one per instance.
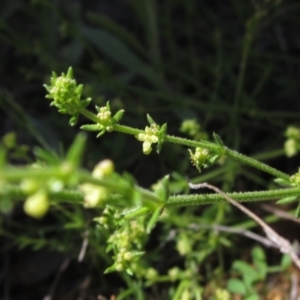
{"points": [[154, 139], [141, 137], [147, 148]]}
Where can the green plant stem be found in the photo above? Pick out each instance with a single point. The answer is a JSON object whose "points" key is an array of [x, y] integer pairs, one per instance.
{"points": [[146, 195], [153, 37], [270, 154], [231, 153], [90, 116], [16, 174], [206, 145], [117, 127], [200, 199]]}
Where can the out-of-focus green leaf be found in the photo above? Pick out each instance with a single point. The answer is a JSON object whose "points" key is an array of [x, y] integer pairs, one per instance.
{"points": [[116, 29], [236, 286], [118, 52]]}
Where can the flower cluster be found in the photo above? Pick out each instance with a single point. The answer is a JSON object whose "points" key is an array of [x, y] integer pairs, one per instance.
{"points": [[199, 158], [66, 95], [126, 240], [295, 179], [152, 135], [149, 137], [105, 120], [202, 158]]}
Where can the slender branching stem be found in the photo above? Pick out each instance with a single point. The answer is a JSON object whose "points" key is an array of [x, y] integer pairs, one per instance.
{"points": [[203, 144]]}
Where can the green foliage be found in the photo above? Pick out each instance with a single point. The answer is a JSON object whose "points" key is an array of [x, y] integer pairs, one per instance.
{"points": [[253, 273], [227, 68]]}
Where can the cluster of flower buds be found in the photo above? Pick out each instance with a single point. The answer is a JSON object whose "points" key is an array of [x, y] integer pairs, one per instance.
{"points": [[66, 95], [126, 240]]}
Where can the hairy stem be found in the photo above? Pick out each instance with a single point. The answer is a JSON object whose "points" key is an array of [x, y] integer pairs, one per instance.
{"points": [[200, 199], [206, 145]]}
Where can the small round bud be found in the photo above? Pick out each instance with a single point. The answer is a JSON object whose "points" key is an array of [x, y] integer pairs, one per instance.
{"points": [[94, 195], [119, 267], [291, 147], [37, 205], [173, 273], [30, 186], [128, 256], [103, 168], [151, 273]]}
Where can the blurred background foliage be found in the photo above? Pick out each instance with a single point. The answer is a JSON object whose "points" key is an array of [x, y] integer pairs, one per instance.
{"points": [[232, 66]]}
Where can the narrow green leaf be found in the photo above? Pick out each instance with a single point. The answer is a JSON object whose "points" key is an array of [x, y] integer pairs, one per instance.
{"points": [[135, 212], [110, 269], [73, 120], [51, 158], [129, 272], [100, 133], [153, 220], [75, 152], [161, 135], [287, 200], [163, 189], [283, 182], [150, 120], [218, 140], [118, 116], [90, 127]]}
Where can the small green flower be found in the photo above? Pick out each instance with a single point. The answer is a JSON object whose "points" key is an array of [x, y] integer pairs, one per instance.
{"points": [[149, 137], [295, 179], [104, 114], [105, 120], [199, 158], [202, 158]]}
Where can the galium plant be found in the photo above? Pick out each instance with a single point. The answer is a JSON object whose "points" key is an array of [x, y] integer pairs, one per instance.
{"points": [[129, 211]]}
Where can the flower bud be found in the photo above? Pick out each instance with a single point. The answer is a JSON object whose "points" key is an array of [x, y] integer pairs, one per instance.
{"points": [[37, 205], [103, 168]]}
